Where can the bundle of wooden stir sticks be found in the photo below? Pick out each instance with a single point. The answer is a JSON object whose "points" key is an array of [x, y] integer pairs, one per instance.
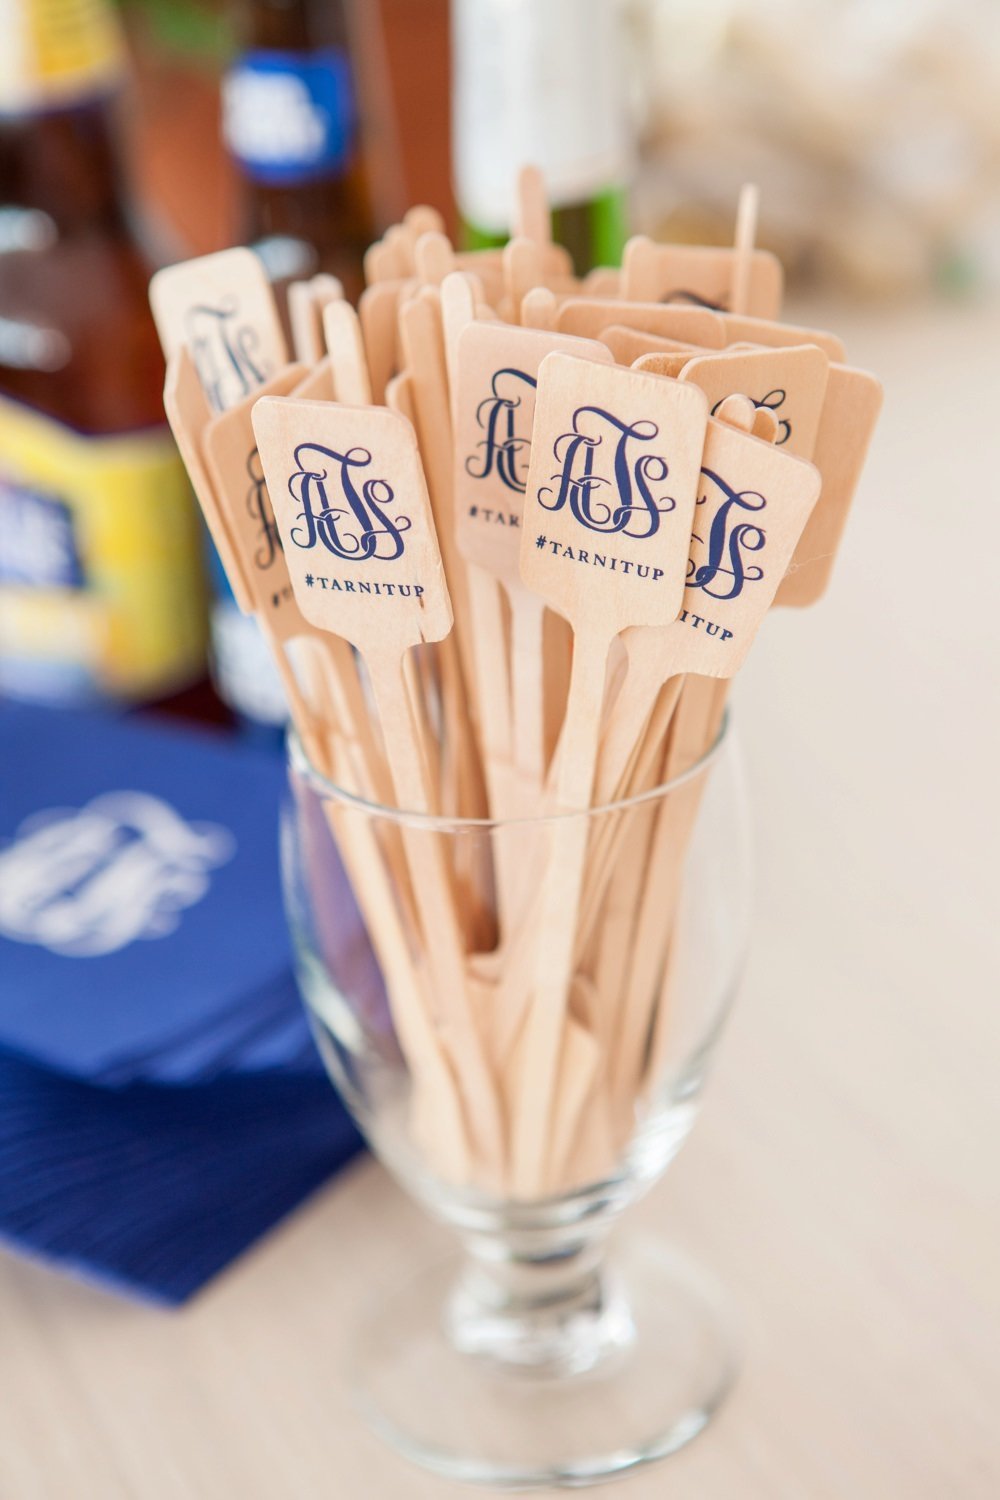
{"points": [[510, 534]]}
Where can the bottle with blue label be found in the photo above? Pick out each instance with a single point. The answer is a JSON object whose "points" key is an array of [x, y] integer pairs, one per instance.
{"points": [[292, 124]]}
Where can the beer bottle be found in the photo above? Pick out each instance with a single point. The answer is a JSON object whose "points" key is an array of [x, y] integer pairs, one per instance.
{"points": [[542, 84], [101, 590], [291, 123]]}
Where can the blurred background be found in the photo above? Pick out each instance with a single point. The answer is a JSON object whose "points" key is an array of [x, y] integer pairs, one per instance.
{"points": [[134, 133], [137, 132], [870, 125]]}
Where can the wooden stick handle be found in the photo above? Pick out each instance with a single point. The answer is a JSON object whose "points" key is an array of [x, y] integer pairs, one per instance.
{"points": [[558, 919], [527, 670], [746, 230], [648, 669], [441, 1115], [436, 906]]}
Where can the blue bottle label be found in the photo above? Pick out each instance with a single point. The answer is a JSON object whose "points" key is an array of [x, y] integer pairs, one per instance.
{"points": [[290, 117], [38, 542]]}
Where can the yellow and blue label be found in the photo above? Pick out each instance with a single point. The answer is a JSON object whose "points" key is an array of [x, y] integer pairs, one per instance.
{"points": [[101, 580]]}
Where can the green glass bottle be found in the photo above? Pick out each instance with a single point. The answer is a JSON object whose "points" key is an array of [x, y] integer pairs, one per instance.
{"points": [[542, 82]]}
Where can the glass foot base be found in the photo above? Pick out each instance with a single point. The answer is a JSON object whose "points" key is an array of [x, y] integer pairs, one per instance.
{"points": [[470, 1418]]}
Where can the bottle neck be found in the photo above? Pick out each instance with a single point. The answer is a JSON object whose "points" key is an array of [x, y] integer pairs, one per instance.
{"points": [[61, 64], [290, 122], [295, 25], [64, 163], [289, 106], [543, 83]]}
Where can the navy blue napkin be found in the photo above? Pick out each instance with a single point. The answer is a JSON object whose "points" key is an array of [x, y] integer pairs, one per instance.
{"points": [[151, 1190], [140, 904], [161, 1099]]}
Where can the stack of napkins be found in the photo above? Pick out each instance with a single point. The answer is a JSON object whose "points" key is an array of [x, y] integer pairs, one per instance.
{"points": [[161, 1100]]}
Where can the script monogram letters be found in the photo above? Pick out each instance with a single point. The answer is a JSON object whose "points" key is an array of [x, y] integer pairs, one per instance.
{"points": [[350, 523], [259, 507], [773, 401], [223, 350], [590, 494], [501, 448], [727, 541]]}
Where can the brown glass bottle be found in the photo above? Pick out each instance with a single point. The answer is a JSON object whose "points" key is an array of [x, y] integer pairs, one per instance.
{"points": [[100, 571], [82, 346], [291, 122]]}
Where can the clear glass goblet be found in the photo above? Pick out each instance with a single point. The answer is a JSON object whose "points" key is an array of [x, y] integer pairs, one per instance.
{"points": [[549, 1350]]}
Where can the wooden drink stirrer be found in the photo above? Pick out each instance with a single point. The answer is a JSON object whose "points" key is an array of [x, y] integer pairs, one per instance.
{"points": [[775, 335], [378, 309], [532, 214], [539, 309], [349, 497], [753, 503], [490, 656], [318, 384], [826, 413], [647, 753], [704, 274], [222, 463], [241, 535], [588, 318], [610, 497], [527, 265], [345, 345], [381, 881], [791, 383], [497, 374], [746, 233], [611, 905], [628, 345], [618, 854], [852, 402], [850, 409], [222, 308], [306, 301], [422, 339], [233, 463]]}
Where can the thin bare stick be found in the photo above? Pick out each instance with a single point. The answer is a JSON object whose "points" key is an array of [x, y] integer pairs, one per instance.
{"points": [[746, 232]]}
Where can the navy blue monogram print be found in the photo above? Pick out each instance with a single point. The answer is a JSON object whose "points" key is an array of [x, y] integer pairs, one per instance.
{"points": [[694, 299], [259, 508], [223, 350], [773, 401], [726, 570], [341, 510], [619, 501], [502, 450]]}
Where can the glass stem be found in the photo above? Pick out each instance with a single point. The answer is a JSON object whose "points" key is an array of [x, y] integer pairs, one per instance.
{"points": [[543, 1302]]}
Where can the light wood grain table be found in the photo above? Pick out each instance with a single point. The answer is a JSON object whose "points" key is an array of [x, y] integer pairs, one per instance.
{"points": [[843, 1179]]}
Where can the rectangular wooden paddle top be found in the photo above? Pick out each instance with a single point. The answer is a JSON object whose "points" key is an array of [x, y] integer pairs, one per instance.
{"points": [[351, 503], [496, 377], [222, 308], [611, 491]]}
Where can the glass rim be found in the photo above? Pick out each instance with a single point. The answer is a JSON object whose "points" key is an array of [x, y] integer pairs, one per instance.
{"points": [[440, 823]]}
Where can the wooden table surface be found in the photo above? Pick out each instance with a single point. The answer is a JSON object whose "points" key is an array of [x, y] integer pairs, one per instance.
{"points": [[843, 1179]]}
